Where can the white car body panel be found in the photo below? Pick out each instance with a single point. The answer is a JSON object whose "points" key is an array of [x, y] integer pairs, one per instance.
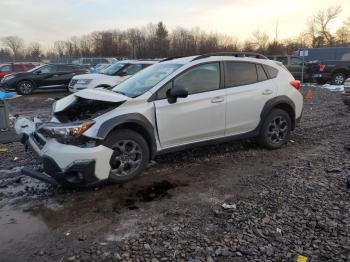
{"points": [[191, 119], [244, 106]]}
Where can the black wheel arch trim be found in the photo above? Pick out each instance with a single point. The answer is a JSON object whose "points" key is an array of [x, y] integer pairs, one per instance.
{"points": [[133, 119], [278, 102]]}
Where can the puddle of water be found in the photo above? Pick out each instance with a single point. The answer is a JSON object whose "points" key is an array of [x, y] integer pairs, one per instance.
{"points": [[17, 226], [155, 191]]}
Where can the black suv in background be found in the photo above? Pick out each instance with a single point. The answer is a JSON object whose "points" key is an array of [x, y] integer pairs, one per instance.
{"points": [[334, 71], [293, 63], [49, 76]]}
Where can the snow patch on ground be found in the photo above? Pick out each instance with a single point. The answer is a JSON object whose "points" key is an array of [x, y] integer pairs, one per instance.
{"points": [[333, 87]]}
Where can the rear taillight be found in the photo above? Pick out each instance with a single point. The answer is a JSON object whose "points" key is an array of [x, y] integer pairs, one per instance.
{"points": [[322, 67], [296, 84]]}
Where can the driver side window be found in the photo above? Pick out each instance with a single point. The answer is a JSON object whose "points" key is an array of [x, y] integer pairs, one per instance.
{"points": [[202, 78], [47, 69]]}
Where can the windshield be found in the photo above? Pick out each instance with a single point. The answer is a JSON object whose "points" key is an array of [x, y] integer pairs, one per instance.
{"points": [[35, 68], [145, 79], [113, 69]]}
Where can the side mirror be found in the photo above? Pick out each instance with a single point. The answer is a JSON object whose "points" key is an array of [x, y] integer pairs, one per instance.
{"points": [[38, 72], [175, 92]]}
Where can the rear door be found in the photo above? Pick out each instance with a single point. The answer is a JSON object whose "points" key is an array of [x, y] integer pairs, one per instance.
{"points": [[64, 74], [248, 89]]}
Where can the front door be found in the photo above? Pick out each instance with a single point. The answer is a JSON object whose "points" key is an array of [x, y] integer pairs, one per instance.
{"points": [[198, 117], [46, 76]]}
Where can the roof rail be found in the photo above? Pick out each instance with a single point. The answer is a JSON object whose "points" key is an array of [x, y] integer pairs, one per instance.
{"points": [[236, 54], [171, 58]]}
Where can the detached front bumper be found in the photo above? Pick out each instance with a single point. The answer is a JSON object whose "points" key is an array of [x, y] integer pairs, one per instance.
{"points": [[68, 165]]}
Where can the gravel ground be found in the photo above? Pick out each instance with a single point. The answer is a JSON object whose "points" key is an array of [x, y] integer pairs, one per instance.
{"points": [[283, 203]]}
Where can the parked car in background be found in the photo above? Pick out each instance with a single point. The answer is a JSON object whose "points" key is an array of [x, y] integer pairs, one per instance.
{"points": [[97, 134], [111, 76], [92, 61], [293, 63], [334, 71], [324, 53], [10, 68], [49, 76], [98, 68], [346, 94]]}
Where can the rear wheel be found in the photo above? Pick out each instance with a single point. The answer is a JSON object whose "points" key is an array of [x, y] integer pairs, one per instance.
{"points": [[338, 79], [130, 157], [25, 87], [275, 130]]}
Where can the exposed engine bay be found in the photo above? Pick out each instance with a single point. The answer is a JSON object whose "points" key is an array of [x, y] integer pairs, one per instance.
{"points": [[84, 109]]}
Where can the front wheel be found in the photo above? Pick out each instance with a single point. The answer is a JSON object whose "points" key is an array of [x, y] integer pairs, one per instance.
{"points": [[25, 87], [338, 79], [130, 157], [275, 130]]}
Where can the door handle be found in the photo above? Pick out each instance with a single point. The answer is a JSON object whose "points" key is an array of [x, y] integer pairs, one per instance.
{"points": [[218, 99], [267, 92]]}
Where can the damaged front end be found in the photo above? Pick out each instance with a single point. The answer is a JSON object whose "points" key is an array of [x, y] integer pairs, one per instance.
{"points": [[69, 157]]}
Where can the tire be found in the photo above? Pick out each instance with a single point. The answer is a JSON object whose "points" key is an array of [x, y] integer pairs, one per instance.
{"points": [[25, 87], [338, 79], [275, 130], [122, 162]]}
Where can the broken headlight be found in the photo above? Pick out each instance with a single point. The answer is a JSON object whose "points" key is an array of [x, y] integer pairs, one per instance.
{"points": [[65, 131]]}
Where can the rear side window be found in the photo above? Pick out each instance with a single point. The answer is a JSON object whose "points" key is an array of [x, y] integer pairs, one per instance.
{"points": [[240, 73], [261, 73], [271, 71]]}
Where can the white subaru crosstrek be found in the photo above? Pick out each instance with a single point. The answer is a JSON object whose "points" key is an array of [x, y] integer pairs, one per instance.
{"points": [[96, 135], [109, 77]]}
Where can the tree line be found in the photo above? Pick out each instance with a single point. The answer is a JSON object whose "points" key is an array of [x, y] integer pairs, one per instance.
{"points": [[156, 41]]}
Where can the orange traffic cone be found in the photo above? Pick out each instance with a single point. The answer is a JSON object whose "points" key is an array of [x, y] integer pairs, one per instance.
{"points": [[309, 96]]}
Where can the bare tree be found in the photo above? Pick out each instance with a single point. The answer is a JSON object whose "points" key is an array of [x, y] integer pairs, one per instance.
{"points": [[260, 40], [321, 21], [59, 47], [14, 43], [34, 52]]}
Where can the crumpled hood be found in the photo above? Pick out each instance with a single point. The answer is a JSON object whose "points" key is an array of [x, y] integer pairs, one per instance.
{"points": [[102, 95], [98, 94]]}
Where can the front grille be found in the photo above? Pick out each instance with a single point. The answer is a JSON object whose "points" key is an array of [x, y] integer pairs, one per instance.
{"points": [[72, 82]]}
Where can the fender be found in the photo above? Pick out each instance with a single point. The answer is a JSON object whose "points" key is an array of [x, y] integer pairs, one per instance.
{"points": [[276, 102], [132, 121], [340, 69]]}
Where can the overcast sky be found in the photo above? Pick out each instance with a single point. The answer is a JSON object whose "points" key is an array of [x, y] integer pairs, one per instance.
{"points": [[45, 21]]}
